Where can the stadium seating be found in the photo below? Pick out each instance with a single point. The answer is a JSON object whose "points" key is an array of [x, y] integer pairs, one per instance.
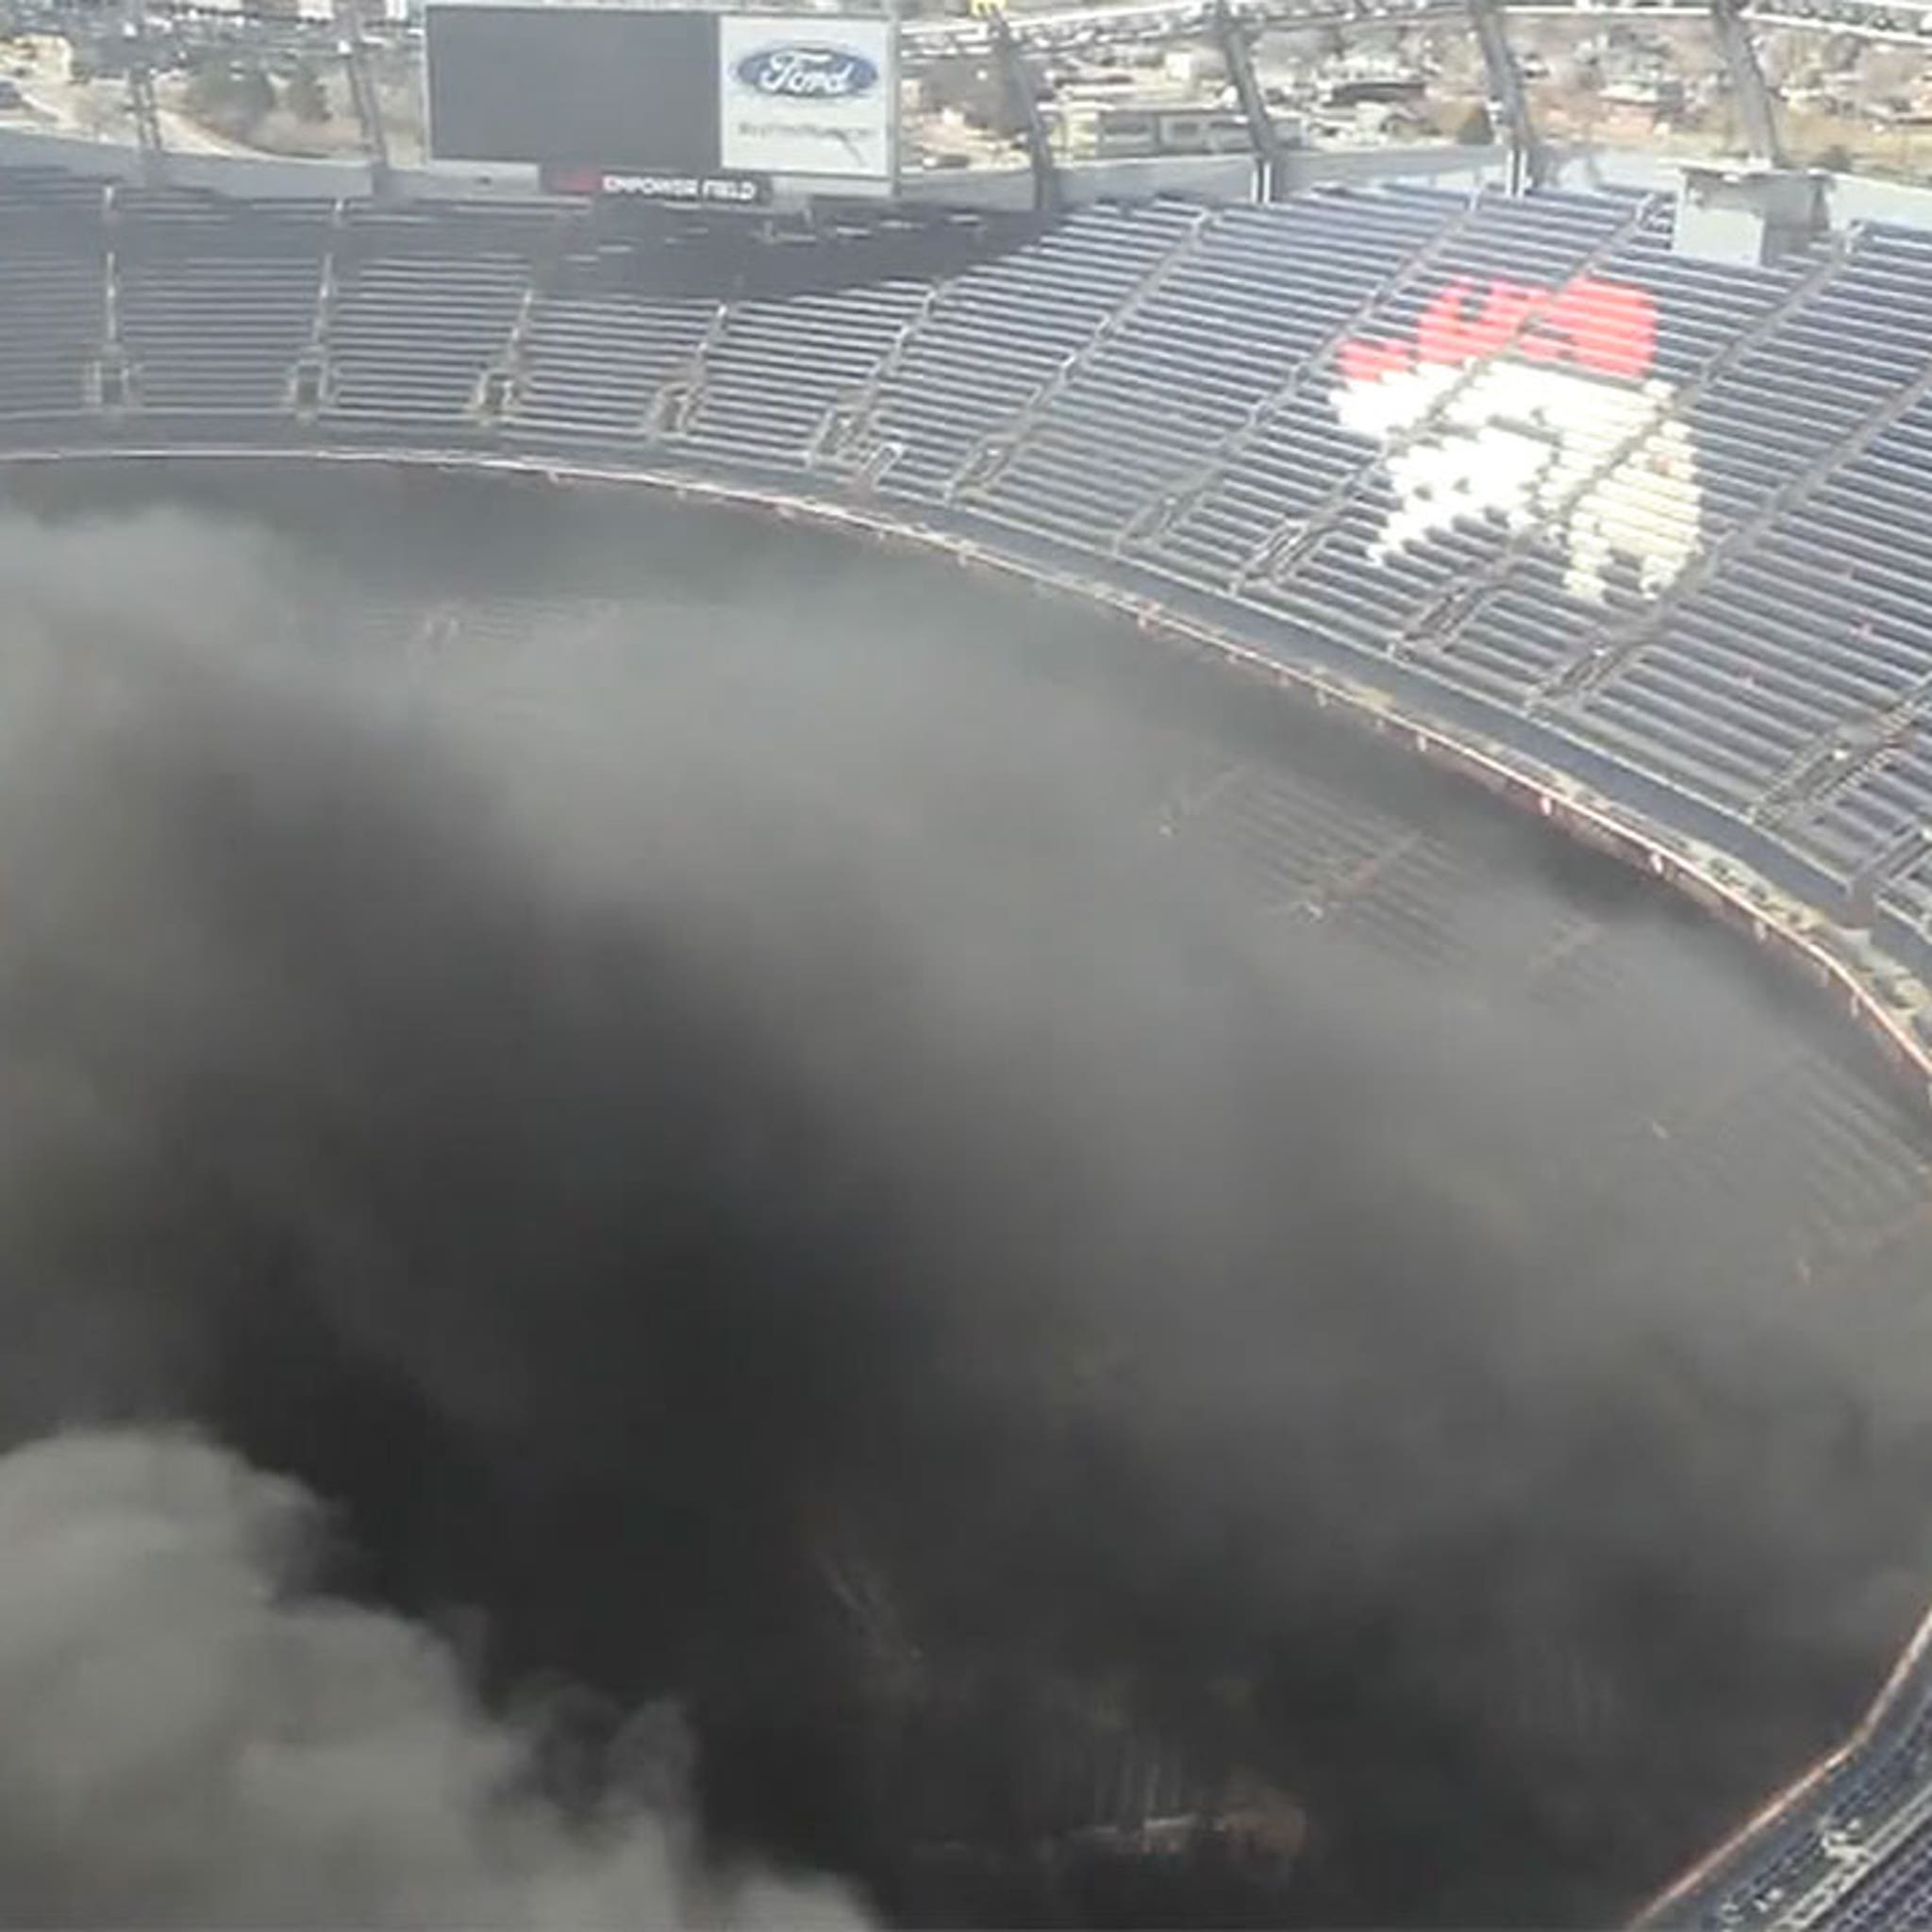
{"points": [[775, 369], [52, 318], [595, 362], [1149, 389], [411, 337], [987, 343], [1220, 328], [1306, 497], [1150, 393], [1872, 1809], [52, 205], [178, 361]]}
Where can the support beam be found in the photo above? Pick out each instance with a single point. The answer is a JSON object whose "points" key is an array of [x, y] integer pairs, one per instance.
{"points": [[368, 108], [1263, 135], [1509, 102], [141, 93], [1757, 111], [1023, 101]]}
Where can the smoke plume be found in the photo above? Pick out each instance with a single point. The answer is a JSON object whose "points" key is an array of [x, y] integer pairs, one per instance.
{"points": [[576, 1177], [192, 1741]]}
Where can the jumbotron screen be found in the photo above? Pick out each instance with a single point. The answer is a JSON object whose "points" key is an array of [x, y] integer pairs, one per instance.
{"points": [[572, 86], [625, 99]]}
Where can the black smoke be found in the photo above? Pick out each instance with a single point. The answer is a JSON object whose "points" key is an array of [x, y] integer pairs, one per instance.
{"points": [[750, 1181]]}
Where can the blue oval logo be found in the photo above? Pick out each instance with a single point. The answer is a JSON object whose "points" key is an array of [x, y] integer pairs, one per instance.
{"points": [[803, 71]]}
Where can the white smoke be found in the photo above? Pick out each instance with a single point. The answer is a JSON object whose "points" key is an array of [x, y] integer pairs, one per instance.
{"points": [[190, 1739]]}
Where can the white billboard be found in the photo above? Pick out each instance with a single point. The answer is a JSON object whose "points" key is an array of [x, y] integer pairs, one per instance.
{"points": [[802, 93]]}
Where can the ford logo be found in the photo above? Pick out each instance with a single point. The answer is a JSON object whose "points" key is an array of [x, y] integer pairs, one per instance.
{"points": [[798, 71]]}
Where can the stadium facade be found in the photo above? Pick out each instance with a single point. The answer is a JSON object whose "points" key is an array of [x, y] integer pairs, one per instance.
{"points": [[1630, 538]]}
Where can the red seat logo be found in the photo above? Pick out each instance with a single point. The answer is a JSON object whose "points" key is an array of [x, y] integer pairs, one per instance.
{"points": [[1606, 328]]}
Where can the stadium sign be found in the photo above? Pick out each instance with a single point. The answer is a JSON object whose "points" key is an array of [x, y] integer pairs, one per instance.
{"points": [[729, 190], [814, 103], [1538, 408], [807, 74]]}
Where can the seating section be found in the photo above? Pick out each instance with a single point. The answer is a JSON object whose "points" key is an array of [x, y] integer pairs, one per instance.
{"points": [[1274, 293], [778, 368], [989, 341], [1248, 299], [1906, 895], [1722, 593], [1308, 542], [1823, 372], [178, 361], [1781, 658], [201, 223], [413, 337], [52, 318], [1704, 581], [51, 208], [213, 306], [461, 229], [53, 300], [1524, 630], [595, 362], [1900, 1894], [1861, 1834], [1806, 1164]]}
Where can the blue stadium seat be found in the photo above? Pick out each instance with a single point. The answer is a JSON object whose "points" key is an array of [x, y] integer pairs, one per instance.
{"points": [[1155, 386]]}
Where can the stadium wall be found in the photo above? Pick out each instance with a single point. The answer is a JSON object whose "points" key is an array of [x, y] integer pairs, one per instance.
{"points": [[1851, 199], [1216, 177], [1211, 177], [1439, 164], [266, 177]]}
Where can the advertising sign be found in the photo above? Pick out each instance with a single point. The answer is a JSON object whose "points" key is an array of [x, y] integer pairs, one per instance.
{"points": [[808, 95], [725, 191]]}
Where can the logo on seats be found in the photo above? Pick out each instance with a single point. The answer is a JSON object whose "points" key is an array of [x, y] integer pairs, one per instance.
{"points": [[1537, 408], [807, 71]]}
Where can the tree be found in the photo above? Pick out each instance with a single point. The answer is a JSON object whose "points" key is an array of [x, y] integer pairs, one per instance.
{"points": [[304, 96], [232, 97], [255, 94], [207, 93]]}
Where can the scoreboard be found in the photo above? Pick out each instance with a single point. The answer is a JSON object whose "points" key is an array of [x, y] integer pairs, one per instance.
{"points": [[670, 105]]}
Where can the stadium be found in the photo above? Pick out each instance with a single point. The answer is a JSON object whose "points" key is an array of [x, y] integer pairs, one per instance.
{"points": [[1429, 637]]}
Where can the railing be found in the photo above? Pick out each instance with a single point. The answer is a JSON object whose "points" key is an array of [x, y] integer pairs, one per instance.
{"points": [[845, 436], [679, 396]]}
